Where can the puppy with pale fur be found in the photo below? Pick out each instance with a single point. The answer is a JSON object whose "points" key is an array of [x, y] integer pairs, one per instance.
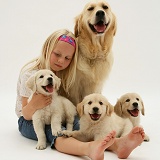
{"points": [[130, 105], [97, 119], [61, 110]]}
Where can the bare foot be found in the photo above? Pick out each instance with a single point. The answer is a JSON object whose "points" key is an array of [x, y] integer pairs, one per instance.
{"points": [[97, 148], [125, 145]]}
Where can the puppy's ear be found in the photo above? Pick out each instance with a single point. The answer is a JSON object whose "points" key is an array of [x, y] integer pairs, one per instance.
{"points": [[142, 110], [80, 109], [58, 83], [76, 27], [31, 83], [118, 108], [109, 109]]}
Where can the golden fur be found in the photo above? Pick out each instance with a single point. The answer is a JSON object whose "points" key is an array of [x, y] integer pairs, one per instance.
{"points": [[129, 106], [61, 110], [94, 28], [97, 119]]}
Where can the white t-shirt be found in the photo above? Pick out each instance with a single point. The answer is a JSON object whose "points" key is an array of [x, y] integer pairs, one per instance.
{"points": [[22, 90]]}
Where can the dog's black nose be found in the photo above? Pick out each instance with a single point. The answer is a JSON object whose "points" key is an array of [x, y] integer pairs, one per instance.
{"points": [[95, 109], [49, 79], [135, 104], [100, 14]]}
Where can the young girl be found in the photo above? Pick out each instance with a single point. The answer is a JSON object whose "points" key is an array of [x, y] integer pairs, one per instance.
{"points": [[59, 54]]}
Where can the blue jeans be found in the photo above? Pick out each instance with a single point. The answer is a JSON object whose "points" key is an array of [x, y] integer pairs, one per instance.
{"points": [[27, 130]]}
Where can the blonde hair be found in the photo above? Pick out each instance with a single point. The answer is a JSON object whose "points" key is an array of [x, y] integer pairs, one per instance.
{"points": [[43, 61]]}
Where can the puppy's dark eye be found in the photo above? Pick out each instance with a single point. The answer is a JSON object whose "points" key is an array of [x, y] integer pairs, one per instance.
{"points": [[51, 75], [101, 103], [127, 100], [105, 7], [90, 8], [41, 76], [137, 99], [90, 102]]}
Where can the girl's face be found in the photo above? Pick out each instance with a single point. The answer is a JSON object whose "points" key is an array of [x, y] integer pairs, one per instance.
{"points": [[61, 56]]}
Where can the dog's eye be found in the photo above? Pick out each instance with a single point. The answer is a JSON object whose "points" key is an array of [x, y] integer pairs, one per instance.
{"points": [[101, 103], [90, 8], [105, 7], [41, 76], [127, 100], [137, 99], [51, 75], [90, 102]]}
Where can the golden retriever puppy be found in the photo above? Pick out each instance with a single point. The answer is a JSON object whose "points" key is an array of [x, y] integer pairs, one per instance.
{"points": [[97, 120], [94, 28], [59, 111], [130, 105]]}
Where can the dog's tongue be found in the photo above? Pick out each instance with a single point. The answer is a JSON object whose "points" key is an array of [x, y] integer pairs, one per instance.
{"points": [[95, 116], [100, 28], [134, 112], [49, 88]]}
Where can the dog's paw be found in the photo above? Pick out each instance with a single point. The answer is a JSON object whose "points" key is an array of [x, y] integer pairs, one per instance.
{"points": [[41, 146], [66, 133], [56, 132], [146, 138]]}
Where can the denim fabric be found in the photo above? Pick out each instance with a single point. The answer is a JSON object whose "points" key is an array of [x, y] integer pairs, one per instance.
{"points": [[27, 130]]}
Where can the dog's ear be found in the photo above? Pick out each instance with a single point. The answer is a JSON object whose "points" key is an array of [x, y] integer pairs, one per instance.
{"points": [[31, 83], [142, 110], [58, 83], [109, 109], [114, 25], [80, 109], [118, 108], [76, 27], [113, 28]]}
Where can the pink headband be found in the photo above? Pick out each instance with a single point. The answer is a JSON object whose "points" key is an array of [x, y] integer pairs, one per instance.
{"points": [[67, 39]]}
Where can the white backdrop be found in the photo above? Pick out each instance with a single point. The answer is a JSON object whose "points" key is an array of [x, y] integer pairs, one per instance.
{"points": [[25, 25]]}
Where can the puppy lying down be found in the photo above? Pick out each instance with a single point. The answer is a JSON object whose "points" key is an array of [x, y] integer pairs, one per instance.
{"points": [[97, 120], [61, 110]]}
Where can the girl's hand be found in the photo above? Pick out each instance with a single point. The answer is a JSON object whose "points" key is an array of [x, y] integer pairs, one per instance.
{"points": [[40, 101]]}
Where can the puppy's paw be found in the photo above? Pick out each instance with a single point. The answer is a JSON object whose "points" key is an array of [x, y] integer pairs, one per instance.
{"points": [[41, 145], [146, 138], [67, 133], [56, 132]]}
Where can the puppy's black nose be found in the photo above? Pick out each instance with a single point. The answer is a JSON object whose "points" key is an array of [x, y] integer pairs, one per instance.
{"points": [[100, 14], [49, 79], [135, 104], [95, 109]]}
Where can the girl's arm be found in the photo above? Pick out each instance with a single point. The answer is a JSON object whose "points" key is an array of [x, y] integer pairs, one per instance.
{"points": [[38, 101]]}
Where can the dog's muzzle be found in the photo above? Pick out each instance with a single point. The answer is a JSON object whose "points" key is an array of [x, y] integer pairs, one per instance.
{"points": [[100, 23], [49, 86], [135, 111], [95, 116]]}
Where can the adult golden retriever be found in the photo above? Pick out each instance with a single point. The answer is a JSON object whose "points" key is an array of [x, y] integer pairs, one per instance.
{"points": [[95, 28], [97, 119], [130, 105]]}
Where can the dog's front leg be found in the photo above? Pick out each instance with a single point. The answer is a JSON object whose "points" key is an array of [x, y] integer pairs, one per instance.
{"points": [[75, 134], [56, 121], [39, 129], [69, 123]]}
